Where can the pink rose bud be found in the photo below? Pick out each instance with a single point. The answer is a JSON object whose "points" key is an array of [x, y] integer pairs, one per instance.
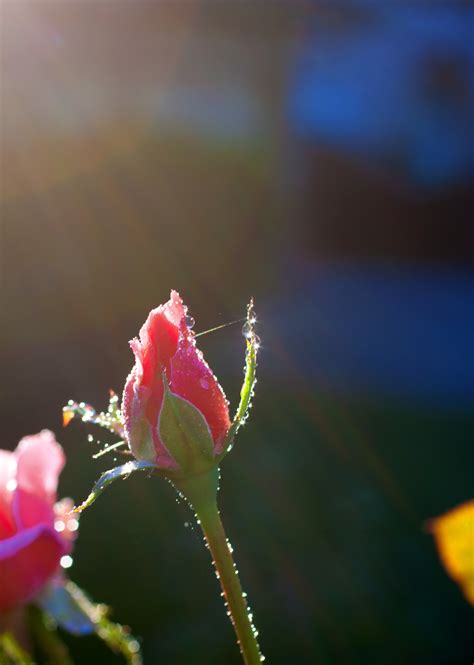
{"points": [[35, 531], [175, 412]]}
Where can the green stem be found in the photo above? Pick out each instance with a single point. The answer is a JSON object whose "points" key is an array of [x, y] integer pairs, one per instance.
{"points": [[214, 533], [202, 496]]}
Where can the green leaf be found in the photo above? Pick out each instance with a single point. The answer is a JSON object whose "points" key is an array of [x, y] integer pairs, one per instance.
{"points": [[110, 476], [185, 432], [73, 610], [116, 636]]}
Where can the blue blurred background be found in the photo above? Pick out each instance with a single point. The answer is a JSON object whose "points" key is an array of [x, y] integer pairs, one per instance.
{"points": [[320, 157]]}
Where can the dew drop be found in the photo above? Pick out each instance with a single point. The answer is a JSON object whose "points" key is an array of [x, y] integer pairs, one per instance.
{"points": [[190, 321], [66, 561], [204, 383], [72, 524], [247, 330], [59, 526]]}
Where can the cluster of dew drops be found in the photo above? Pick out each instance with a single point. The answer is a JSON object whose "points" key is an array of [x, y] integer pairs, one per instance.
{"points": [[248, 329], [110, 419]]}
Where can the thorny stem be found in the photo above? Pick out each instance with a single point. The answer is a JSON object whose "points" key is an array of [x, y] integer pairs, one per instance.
{"points": [[205, 506], [214, 533]]}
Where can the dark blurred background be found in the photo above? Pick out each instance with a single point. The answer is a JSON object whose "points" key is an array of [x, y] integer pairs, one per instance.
{"points": [[320, 157]]}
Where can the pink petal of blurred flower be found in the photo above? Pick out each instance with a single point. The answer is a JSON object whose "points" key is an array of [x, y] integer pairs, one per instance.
{"points": [[30, 547]]}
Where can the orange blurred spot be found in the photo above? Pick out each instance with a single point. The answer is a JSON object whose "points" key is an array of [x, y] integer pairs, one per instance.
{"points": [[454, 534], [67, 417]]}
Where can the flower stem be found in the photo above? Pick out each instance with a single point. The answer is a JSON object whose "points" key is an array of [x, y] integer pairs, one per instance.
{"points": [[201, 493], [221, 551]]}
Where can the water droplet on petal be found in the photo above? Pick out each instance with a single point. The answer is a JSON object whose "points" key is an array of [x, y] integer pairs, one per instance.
{"points": [[190, 321], [204, 383]]}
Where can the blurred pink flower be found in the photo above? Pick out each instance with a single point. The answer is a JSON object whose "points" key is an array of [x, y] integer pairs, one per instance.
{"points": [[35, 531]]}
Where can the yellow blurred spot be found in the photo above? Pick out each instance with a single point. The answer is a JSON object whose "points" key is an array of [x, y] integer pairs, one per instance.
{"points": [[67, 417], [454, 534]]}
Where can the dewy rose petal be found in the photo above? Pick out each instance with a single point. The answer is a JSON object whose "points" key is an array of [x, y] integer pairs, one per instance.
{"points": [[30, 546], [166, 349]]}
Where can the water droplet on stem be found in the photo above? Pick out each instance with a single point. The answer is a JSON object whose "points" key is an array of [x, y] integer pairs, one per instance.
{"points": [[247, 330]]}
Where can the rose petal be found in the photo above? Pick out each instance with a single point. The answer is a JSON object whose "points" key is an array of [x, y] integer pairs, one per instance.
{"points": [[159, 336], [27, 561], [192, 378], [31, 509], [7, 486], [40, 459]]}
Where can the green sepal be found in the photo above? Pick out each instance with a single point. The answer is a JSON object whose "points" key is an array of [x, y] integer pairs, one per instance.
{"points": [[110, 476], [185, 433], [250, 379], [70, 608], [143, 447]]}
